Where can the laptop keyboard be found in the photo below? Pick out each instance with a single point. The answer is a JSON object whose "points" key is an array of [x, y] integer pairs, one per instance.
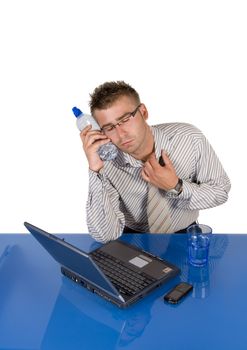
{"points": [[126, 280]]}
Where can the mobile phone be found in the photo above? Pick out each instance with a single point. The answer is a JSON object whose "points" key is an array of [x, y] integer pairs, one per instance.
{"points": [[161, 161], [178, 292]]}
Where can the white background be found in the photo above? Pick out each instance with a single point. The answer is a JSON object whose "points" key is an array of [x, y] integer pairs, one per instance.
{"points": [[187, 59]]}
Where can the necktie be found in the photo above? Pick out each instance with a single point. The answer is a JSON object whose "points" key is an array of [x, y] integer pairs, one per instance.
{"points": [[159, 219]]}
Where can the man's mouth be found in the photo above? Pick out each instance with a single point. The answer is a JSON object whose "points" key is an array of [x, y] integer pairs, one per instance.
{"points": [[126, 142]]}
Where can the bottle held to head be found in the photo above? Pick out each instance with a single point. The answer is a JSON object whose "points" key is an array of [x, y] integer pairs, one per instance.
{"points": [[106, 152]]}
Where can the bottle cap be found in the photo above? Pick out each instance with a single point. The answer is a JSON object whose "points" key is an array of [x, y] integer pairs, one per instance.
{"points": [[77, 112]]}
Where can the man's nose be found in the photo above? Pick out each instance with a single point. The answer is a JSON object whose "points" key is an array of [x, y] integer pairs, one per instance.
{"points": [[120, 130]]}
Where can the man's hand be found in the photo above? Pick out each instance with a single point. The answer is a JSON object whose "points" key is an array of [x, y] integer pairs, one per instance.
{"points": [[163, 177], [92, 140]]}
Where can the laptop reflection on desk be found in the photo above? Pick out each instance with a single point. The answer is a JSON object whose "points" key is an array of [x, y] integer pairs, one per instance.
{"points": [[90, 324]]}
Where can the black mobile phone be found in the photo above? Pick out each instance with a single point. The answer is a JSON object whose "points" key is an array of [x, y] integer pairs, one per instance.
{"points": [[178, 292], [161, 161]]}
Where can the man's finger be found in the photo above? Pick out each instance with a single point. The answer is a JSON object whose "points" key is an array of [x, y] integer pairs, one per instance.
{"points": [[148, 168], [165, 157], [95, 138], [144, 175], [152, 161], [85, 130], [96, 145]]}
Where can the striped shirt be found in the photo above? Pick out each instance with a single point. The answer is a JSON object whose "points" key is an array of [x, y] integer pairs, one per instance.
{"points": [[118, 195]]}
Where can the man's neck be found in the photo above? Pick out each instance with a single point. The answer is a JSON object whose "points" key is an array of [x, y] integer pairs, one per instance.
{"points": [[148, 148]]}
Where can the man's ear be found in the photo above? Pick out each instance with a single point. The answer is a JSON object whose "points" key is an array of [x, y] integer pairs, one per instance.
{"points": [[144, 111]]}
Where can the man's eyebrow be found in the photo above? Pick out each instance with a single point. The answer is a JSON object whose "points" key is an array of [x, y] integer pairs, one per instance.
{"points": [[117, 119], [124, 115], [108, 124]]}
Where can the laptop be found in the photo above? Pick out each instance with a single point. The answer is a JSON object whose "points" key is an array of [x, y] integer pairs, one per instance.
{"points": [[117, 271]]}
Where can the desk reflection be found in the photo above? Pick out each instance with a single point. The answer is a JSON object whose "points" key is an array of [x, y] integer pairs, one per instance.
{"points": [[91, 320]]}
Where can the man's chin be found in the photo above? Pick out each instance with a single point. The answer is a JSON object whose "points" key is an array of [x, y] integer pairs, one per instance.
{"points": [[128, 149]]}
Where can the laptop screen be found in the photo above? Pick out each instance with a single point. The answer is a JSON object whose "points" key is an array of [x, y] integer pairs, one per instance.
{"points": [[71, 257]]}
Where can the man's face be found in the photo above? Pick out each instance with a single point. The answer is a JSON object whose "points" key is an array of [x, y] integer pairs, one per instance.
{"points": [[131, 134]]}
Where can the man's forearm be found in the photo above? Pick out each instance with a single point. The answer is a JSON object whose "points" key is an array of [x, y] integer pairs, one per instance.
{"points": [[211, 185], [203, 196], [104, 219]]}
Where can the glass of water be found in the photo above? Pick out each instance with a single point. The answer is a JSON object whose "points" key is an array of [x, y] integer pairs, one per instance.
{"points": [[198, 244]]}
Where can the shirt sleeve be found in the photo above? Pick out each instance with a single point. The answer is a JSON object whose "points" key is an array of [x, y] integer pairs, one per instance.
{"points": [[210, 185], [104, 218]]}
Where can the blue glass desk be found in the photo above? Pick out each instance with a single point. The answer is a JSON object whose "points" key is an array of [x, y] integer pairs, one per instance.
{"points": [[41, 309]]}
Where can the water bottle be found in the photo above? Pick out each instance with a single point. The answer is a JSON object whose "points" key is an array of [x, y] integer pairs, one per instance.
{"points": [[106, 152]]}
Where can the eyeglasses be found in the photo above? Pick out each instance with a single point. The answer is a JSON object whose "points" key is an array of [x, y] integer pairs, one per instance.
{"points": [[122, 120]]}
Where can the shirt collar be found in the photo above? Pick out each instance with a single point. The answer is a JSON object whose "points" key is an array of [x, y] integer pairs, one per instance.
{"points": [[124, 159], [161, 141]]}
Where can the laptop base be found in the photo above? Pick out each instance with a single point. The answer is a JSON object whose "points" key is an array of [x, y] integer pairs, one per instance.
{"points": [[79, 280]]}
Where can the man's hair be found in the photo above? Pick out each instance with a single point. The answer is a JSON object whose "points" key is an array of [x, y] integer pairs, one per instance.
{"points": [[106, 94]]}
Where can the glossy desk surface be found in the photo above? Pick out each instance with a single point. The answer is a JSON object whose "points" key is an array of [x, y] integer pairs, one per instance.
{"points": [[41, 309]]}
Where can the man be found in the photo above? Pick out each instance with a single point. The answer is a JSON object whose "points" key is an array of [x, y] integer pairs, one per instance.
{"points": [[186, 178]]}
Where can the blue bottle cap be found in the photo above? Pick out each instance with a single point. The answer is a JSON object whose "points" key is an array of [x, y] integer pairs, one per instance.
{"points": [[77, 112]]}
